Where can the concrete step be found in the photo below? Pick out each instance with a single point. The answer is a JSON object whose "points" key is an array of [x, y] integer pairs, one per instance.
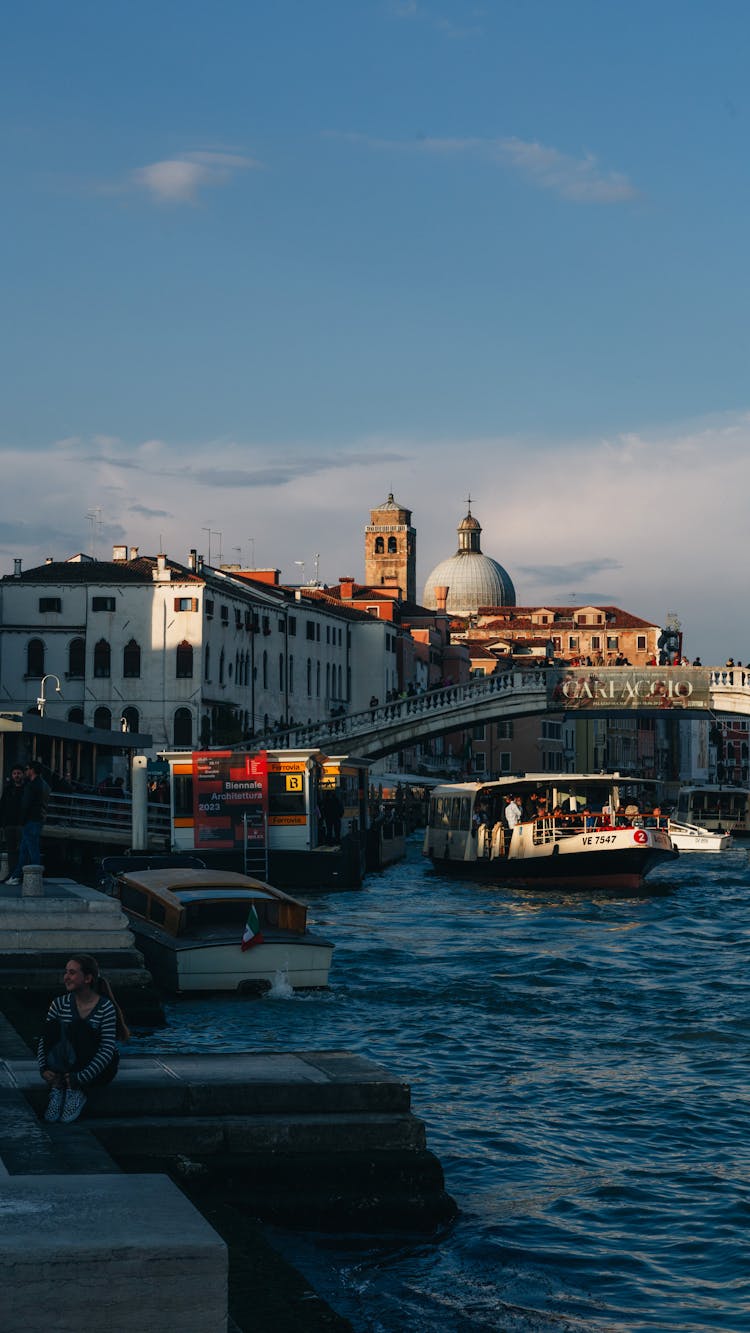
{"points": [[132, 1247], [236, 1137], [241, 1084]]}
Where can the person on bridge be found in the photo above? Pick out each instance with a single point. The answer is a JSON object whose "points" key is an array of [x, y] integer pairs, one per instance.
{"points": [[78, 1048]]}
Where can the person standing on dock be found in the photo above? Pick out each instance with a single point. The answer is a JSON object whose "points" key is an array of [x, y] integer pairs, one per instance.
{"points": [[11, 813], [78, 1048], [33, 810]]}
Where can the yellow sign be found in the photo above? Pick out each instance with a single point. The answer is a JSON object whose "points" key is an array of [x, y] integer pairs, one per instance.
{"points": [[278, 820], [298, 767], [294, 782]]}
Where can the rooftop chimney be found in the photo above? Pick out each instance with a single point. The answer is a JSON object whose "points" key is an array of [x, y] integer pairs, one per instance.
{"points": [[16, 569], [160, 572], [119, 552], [441, 597], [192, 559], [49, 560], [347, 587], [134, 553]]}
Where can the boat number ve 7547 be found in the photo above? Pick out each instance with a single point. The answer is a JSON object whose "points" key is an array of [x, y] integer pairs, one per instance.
{"points": [[596, 839]]}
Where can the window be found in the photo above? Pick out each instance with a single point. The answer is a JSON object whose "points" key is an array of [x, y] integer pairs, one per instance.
{"points": [[379, 546], [291, 675], [477, 732], [292, 624], [209, 608], [372, 611], [479, 763], [207, 663], [310, 629], [225, 615], [35, 658], [640, 643], [505, 761], [596, 643], [131, 660], [221, 667], [266, 624], [75, 715], [551, 731], [50, 604], [103, 719], [392, 546], [102, 603], [184, 661], [328, 633], [505, 730], [582, 620], [612, 643], [309, 677], [317, 679], [183, 727], [186, 603], [281, 626], [130, 719], [572, 642], [265, 670], [76, 659], [237, 618], [102, 659]]}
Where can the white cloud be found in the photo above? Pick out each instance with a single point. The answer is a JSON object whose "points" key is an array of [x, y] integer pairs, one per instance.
{"points": [[179, 180], [579, 179]]}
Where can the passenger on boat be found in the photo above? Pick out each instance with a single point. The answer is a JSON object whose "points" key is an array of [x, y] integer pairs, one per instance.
{"points": [[530, 806], [78, 1048], [513, 813], [589, 820]]}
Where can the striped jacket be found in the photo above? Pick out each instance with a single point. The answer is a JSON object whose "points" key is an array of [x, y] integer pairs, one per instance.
{"points": [[103, 1023]]}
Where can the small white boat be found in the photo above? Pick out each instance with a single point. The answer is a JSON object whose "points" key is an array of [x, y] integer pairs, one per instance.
{"points": [[693, 838], [189, 922]]}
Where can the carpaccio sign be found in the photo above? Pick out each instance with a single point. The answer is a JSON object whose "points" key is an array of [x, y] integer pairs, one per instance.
{"points": [[226, 787], [589, 688]]}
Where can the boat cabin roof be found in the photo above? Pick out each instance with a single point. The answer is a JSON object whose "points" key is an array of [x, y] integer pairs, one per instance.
{"points": [[529, 781], [186, 884]]}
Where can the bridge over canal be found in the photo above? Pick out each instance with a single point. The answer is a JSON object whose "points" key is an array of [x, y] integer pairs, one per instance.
{"points": [[587, 691]]}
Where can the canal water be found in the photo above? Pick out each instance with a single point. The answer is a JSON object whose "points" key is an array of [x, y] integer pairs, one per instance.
{"points": [[581, 1062]]}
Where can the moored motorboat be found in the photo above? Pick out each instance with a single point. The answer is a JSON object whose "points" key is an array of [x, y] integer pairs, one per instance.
{"points": [[206, 930], [572, 833], [693, 838]]}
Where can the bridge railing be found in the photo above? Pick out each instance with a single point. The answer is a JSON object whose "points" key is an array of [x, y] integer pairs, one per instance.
{"points": [[78, 810], [405, 707]]}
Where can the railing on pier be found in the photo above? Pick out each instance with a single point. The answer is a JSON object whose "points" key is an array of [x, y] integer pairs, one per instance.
{"points": [[109, 819]]}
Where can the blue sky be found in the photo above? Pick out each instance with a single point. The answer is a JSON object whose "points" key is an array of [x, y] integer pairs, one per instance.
{"points": [[264, 263]]}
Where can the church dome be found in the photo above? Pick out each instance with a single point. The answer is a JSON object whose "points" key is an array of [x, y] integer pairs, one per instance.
{"points": [[472, 578]]}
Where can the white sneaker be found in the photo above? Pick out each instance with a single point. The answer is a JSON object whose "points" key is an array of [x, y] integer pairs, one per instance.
{"points": [[74, 1104], [54, 1105], [13, 880]]}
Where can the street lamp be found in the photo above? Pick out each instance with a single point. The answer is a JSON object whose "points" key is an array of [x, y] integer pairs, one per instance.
{"points": [[41, 701]]}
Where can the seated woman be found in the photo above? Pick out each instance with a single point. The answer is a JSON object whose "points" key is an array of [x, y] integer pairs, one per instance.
{"points": [[78, 1048]]}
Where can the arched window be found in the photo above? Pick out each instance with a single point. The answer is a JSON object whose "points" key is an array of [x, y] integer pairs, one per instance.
{"points": [[76, 659], [379, 548], [392, 546], [130, 719], [35, 658], [309, 676], [102, 659], [184, 661], [75, 715], [103, 719], [183, 727], [131, 660]]}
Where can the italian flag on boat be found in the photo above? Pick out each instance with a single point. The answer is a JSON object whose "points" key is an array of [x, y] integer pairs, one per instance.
{"points": [[251, 934]]}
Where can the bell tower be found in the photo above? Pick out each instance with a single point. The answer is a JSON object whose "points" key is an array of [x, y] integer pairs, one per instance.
{"points": [[391, 548]]}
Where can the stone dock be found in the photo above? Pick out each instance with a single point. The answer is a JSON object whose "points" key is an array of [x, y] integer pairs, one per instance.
{"points": [[153, 1203]]}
